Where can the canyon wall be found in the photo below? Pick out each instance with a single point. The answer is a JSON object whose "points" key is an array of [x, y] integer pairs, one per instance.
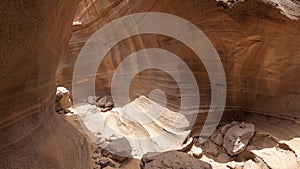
{"points": [[34, 35], [258, 47]]}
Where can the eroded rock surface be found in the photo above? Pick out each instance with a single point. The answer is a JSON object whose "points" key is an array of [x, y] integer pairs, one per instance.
{"points": [[34, 35], [146, 129], [258, 47], [62, 100], [172, 159], [237, 138], [118, 149]]}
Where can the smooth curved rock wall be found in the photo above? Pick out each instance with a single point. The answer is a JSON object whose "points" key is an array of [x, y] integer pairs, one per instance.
{"points": [[34, 35], [258, 47]]}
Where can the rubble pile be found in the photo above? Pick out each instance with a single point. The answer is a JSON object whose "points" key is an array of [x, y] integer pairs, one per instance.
{"points": [[237, 145]]}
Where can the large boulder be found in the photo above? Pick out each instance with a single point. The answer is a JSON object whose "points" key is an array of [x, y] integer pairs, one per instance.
{"points": [[237, 138], [118, 149]]}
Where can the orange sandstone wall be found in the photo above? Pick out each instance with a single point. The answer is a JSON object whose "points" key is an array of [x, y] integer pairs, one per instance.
{"points": [[258, 46], [34, 35]]}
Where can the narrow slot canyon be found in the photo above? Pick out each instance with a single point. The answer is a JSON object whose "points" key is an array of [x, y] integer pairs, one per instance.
{"points": [[150, 84]]}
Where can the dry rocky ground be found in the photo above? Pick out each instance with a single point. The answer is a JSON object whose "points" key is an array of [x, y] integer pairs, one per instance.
{"points": [[234, 145]]}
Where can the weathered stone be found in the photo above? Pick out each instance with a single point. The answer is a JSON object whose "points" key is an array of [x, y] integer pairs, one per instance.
{"points": [[118, 149], [197, 152], [95, 155], [92, 100], [62, 100], [109, 104], [172, 159], [215, 152], [223, 157], [211, 148], [228, 126], [101, 102], [242, 125], [236, 138], [217, 139], [105, 162]]}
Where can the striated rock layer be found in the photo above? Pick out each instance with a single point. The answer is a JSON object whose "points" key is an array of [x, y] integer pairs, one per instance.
{"points": [[34, 35], [147, 126], [258, 46]]}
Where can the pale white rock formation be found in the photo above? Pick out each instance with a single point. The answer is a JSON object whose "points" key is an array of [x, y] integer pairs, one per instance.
{"points": [[197, 152], [147, 126], [277, 158]]}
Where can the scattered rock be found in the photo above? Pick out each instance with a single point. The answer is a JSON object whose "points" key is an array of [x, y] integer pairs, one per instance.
{"points": [[223, 157], [243, 125], [211, 148], [118, 150], [217, 139], [101, 102], [227, 3], [95, 155], [228, 126], [105, 162], [172, 159], [245, 156], [109, 104], [262, 141], [197, 152], [62, 100], [92, 100], [214, 151], [105, 103], [236, 138]]}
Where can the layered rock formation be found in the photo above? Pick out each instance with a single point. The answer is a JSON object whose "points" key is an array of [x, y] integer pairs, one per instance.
{"points": [[34, 35], [258, 47], [147, 126]]}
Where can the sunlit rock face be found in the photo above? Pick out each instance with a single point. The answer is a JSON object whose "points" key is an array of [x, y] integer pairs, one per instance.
{"points": [[34, 35], [258, 46], [148, 126]]}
